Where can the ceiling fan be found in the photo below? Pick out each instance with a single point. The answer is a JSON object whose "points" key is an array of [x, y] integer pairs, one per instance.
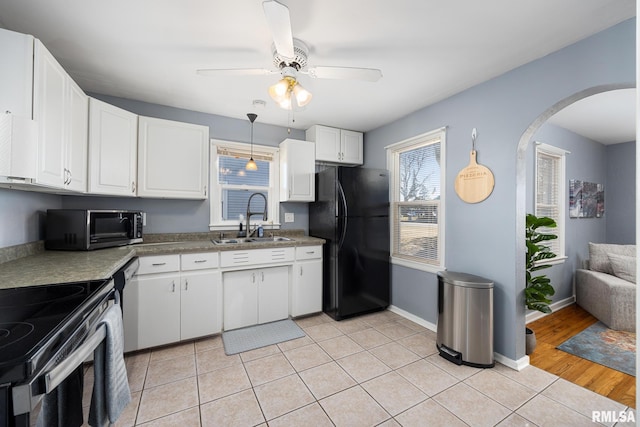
{"points": [[290, 57]]}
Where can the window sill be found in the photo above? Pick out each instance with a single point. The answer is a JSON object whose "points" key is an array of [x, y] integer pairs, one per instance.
{"points": [[428, 268]]}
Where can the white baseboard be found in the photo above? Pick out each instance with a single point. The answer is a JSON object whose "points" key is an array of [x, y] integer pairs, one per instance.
{"points": [[420, 321], [518, 365], [535, 315]]}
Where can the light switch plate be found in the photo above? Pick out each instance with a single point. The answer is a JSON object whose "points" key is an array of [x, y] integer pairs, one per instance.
{"points": [[288, 217]]}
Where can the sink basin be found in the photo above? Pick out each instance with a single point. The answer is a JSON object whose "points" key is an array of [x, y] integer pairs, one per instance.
{"points": [[229, 241], [237, 240], [269, 239]]}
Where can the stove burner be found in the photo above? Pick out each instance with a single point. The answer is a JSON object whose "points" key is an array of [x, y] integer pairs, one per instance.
{"points": [[11, 333]]}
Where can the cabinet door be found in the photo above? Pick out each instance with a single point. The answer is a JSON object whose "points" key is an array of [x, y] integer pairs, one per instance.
{"points": [[351, 143], [113, 134], [50, 88], [240, 305], [297, 171], [201, 304], [158, 309], [173, 159], [16, 73], [327, 144], [306, 288], [273, 294], [77, 139]]}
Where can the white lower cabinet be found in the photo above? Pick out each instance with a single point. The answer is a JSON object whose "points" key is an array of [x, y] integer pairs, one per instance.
{"points": [[306, 283], [255, 296], [200, 304], [165, 303]]}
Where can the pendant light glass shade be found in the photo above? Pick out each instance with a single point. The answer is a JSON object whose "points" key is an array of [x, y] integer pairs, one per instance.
{"points": [[251, 164]]}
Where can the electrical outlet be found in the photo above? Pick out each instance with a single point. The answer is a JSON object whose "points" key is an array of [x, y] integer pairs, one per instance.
{"points": [[288, 217]]}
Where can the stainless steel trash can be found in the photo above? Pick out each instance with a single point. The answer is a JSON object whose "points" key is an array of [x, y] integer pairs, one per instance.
{"points": [[465, 319]]}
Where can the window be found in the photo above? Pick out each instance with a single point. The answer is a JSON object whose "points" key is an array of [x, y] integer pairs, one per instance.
{"points": [[417, 201], [232, 185], [550, 191]]}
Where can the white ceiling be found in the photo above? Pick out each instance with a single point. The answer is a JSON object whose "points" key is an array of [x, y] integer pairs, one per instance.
{"points": [[427, 50], [609, 117]]}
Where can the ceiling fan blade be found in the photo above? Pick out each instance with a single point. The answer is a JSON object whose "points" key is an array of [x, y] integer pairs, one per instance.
{"points": [[279, 23], [345, 73], [235, 72]]}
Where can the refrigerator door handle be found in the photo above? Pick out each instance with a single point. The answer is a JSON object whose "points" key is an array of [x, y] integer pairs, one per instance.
{"points": [[344, 216]]}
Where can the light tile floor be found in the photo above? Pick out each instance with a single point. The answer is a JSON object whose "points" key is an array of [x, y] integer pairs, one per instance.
{"points": [[378, 369]]}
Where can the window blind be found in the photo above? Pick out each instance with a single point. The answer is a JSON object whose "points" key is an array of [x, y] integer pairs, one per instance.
{"points": [[549, 193]]}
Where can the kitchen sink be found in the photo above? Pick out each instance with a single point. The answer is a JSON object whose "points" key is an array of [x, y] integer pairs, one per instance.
{"points": [[270, 239], [229, 241], [238, 240]]}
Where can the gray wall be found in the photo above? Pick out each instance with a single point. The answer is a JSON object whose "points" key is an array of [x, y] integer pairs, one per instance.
{"points": [[620, 192], [481, 238], [22, 215]]}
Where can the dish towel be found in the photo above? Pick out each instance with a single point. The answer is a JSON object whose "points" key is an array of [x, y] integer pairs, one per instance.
{"points": [[111, 393], [62, 406]]}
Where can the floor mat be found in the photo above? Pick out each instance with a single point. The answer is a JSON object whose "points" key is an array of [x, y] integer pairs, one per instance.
{"points": [[253, 337], [599, 344]]}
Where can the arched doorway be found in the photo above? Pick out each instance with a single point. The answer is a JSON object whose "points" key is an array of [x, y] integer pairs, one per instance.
{"points": [[521, 189]]}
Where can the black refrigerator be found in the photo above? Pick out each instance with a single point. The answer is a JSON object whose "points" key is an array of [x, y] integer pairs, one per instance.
{"points": [[351, 213]]}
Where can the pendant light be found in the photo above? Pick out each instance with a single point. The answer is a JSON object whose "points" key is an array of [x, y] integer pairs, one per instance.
{"points": [[251, 164]]}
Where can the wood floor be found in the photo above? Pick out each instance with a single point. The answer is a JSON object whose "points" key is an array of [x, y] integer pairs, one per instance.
{"points": [[561, 325]]}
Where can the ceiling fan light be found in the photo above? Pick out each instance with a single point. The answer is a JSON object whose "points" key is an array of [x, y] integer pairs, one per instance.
{"points": [[303, 96], [279, 89], [285, 103]]}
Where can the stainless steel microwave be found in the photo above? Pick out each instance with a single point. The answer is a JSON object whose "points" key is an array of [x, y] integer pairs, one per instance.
{"points": [[83, 230]]}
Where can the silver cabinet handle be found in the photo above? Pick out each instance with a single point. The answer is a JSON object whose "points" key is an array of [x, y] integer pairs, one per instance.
{"points": [[311, 252], [262, 275], [133, 186], [301, 270], [253, 277], [200, 261], [186, 285], [205, 191], [157, 264], [173, 286]]}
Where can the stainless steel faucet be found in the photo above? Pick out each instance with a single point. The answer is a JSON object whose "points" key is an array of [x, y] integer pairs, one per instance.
{"points": [[249, 213]]}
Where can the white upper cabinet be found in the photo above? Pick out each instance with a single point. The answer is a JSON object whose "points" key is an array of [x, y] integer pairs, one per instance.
{"points": [[18, 131], [173, 159], [113, 135], [297, 171], [60, 110], [336, 145], [77, 139]]}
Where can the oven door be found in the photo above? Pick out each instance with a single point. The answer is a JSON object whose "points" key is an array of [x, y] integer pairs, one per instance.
{"points": [[70, 355]]}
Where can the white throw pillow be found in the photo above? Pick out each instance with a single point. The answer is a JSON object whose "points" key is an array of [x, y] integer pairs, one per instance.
{"points": [[623, 266]]}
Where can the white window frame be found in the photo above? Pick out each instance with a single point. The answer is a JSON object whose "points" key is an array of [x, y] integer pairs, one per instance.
{"points": [[393, 161], [561, 197], [216, 223]]}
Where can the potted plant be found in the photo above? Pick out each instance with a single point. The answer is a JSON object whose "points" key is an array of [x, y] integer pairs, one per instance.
{"points": [[538, 289]]}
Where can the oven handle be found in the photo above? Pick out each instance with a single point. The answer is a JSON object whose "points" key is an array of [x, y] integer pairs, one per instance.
{"points": [[57, 375]]}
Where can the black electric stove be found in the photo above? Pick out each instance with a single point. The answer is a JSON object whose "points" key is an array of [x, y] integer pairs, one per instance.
{"points": [[35, 320], [41, 325]]}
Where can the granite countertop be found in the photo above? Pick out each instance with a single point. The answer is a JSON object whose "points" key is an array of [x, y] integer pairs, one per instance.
{"points": [[41, 267]]}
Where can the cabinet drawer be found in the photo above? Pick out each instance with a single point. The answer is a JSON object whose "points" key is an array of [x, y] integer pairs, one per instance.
{"points": [[159, 264], [256, 256], [199, 261], [308, 252]]}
